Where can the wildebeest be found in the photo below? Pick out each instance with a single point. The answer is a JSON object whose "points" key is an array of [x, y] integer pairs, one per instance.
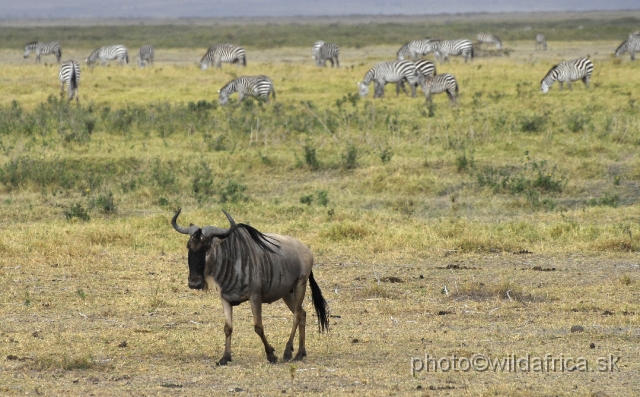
{"points": [[243, 264]]}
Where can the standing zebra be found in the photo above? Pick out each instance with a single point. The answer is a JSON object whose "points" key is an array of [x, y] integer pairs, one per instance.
{"points": [[43, 49], [630, 45], [108, 53], [414, 49], [489, 39], [541, 42], [257, 86], [323, 52], [443, 48], [439, 84], [389, 72], [69, 74], [568, 71], [228, 53], [145, 55]]}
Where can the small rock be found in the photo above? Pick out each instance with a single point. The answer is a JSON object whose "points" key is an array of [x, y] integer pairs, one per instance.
{"points": [[599, 394], [355, 340], [123, 344], [577, 328], [592, 345]]}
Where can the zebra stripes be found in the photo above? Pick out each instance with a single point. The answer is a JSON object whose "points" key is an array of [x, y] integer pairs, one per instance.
{"points": [[424, 68], [43, 49], [488, 38], [69, 74], [443, 48], [389, 72], [145, 55], [630, 45], [108, 53], [541, 42], [256, 86], [439, 84], [323, 52], [566, 72], [228, 53], [414, 49]]}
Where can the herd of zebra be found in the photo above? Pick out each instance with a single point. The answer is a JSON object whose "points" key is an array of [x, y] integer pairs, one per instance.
{"points": [[407, 68]]}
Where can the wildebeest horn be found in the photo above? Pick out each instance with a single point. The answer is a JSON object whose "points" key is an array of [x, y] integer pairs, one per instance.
{"points": [[183, 230], [212, 231]]}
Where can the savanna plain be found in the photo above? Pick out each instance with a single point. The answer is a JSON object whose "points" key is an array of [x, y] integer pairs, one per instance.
{"points": [[506, 226]]}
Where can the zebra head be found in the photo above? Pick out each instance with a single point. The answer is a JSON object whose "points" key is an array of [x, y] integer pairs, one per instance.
{"points": [[544, 87], [363, 89], [29, 47], [200, 241], [224, 97], [204, 64]]}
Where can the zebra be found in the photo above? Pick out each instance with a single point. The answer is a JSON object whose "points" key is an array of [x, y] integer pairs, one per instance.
{"points": [[257, 86], [145, 55], [43, 49], [541, 42], [424, 68], [630, 45], [489, 39], [414, 49], [439, 84], [443, 48], [108, 53], [323, 52], [389, 72], [218, 53], [69, 74], [566, 72]]}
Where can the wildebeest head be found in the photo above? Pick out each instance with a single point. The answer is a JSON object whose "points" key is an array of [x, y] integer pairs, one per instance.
{"points": [[200, 241]]}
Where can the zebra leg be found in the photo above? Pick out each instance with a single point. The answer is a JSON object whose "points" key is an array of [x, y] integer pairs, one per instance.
{"points": [[569, 85], [228, 330], [294, 303], [560, 83], [633, 55], [256, 309], [337, 62], [62, 89]]}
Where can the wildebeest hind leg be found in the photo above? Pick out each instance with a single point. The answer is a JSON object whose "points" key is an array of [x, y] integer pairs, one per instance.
{"points": [[294, 303], [228, 330], [256, 309]]}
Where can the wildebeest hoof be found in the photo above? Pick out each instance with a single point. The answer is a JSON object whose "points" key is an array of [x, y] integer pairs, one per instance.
{"points": [[286, 357], [272, 358], [224, 361], [300, 356]]}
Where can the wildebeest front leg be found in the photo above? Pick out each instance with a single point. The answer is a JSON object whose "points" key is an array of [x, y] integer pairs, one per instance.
{"points": [[294, 303], [228, 330], [256, 309]]}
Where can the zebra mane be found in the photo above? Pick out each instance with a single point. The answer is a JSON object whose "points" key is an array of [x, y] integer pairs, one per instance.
{"points": [[31, 44], [229, 86], [257, 237], [553, 68]]}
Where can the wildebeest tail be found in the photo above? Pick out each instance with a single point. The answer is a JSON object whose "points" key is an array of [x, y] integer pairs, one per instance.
{"points": [[321, 306]]}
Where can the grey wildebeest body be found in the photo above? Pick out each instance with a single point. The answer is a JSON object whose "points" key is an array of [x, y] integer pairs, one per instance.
{"points": [[243, 264]]}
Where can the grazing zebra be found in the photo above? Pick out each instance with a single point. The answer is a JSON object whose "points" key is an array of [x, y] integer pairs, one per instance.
{"points": [[443, 48], [257, 86], [43, 49], [69, 74], [424, 68], [227, 53], [439, 84], [568, 71], [389, 72], [108, 53], [541, 42], [414, 49], [145, 55], [489, 38], [323, 52], [630, 45]]}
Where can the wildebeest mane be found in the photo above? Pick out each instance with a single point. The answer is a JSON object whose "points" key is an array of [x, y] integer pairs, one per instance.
{"points": [[259, 238]]}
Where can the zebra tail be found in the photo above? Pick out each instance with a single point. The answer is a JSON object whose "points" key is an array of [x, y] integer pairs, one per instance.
{"points": [[73, 81], [321, 306], [244, 60], [273, 91], [473, 55]]}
